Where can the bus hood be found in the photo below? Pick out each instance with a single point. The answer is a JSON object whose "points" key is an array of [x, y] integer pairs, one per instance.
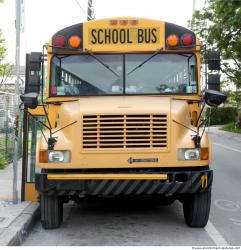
{"points": [[125, 105], [108, 131], [132, 110]]}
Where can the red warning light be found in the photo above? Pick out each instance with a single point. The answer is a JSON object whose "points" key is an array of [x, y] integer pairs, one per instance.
{"points": [[187, 40], [59, 41]]}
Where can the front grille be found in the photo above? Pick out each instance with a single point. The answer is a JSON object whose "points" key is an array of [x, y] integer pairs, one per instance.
{"points": [[124, 131]]}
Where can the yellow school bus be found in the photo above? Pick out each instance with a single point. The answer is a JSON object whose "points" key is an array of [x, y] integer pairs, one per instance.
{"points": [[118, 115]]}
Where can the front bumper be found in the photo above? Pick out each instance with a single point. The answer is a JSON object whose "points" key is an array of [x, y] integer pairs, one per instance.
{"points": [[180, 182]]}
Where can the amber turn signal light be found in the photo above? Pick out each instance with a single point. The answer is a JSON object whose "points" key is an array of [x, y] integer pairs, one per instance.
{"points": [[204, 154], [172, 40], [43, 156], [74, 42]]}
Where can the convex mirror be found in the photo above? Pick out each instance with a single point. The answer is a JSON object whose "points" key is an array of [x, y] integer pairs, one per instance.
{"points": [[214, 98], [30, 100]]}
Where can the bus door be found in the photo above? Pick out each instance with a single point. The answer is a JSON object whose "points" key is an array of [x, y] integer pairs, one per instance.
{"points": [[31, 132], [31, 127]]}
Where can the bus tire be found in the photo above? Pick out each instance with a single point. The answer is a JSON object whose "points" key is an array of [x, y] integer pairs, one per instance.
{"points": [[196, 208], [51, 209]]}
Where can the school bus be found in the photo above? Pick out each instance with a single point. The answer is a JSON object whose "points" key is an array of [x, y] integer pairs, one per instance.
{"points": [[118, 115]]}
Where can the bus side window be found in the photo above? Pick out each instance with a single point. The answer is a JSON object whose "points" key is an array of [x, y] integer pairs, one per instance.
{"points": [[193, 72]]}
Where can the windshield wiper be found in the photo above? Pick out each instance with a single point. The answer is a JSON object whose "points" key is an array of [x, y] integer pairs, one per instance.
{"points": [[145, 61], [101, 62]]}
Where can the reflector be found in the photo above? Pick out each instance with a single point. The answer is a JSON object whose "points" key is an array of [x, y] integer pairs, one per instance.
{"points": [[59, 41]]}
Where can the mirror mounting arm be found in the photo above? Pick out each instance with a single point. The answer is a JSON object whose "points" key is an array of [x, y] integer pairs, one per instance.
{"points": [[39, 122], [47, 117]]}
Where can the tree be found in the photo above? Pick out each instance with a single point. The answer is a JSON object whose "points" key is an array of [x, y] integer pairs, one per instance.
{"points": [[218, 25], [2, 47], [6, 69]]}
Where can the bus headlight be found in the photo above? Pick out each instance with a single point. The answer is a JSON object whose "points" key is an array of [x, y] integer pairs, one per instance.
{"points": [[59, 156], [189, 154]]}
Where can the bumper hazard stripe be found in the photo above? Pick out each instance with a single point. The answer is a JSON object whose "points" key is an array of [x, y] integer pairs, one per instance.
{"points": [[53, 183]]}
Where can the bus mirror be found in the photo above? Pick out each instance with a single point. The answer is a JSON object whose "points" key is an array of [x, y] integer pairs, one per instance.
{"points": [[30, 100], [214, 98], [35, 61], [213, 60], [214, 82], [33, 84]]}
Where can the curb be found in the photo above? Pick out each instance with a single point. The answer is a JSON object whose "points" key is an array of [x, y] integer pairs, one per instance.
{"points": [[225, 134], [17, 231]]}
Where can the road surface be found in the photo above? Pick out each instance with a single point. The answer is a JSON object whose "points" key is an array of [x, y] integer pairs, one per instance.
{"points": [[115, 222]]}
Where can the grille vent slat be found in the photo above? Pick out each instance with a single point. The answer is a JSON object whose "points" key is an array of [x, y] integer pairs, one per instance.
{"points": [[124, 131]]}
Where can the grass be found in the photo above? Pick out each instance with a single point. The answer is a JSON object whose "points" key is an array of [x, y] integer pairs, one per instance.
{"points": [[5, 159], [3, 162], [231, 128]]}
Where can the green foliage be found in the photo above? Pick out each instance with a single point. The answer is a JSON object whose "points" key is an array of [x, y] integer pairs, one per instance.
{"points": [[238, 120], [221, 116], [218, 25], [3, 162], [2, 47], [231, 127], [6, 69], [234, 99], [8, 155]]}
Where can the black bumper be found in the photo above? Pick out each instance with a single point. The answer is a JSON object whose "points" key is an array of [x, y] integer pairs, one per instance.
{"points": [[177, 183]]}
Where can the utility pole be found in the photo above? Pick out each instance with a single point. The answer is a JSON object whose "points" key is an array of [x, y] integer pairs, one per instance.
{"points": [[90, 12], [17, 67], [193, 6]]}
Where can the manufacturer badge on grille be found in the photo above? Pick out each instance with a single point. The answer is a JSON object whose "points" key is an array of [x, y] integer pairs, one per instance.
{"points": [[132, 160]]}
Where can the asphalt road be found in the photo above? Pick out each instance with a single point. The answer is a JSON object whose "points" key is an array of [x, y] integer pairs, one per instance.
{"points": [[114, 222]]}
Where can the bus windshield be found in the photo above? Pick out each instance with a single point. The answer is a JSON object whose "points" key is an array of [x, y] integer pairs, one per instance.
{"points": [[123, 74]]}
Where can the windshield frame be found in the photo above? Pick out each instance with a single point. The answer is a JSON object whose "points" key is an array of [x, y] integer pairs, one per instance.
{"points": [[124, 76]]}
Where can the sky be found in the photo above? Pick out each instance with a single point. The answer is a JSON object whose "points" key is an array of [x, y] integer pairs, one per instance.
{"points": [[42, 18]]}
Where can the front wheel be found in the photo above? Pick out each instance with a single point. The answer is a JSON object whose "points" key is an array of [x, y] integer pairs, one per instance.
{"points": [[51, 208], [196, 208]]}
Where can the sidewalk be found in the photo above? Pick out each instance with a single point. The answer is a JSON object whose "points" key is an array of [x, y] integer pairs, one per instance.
{"points": [[6, 182], [16, 220], [228, 135]]}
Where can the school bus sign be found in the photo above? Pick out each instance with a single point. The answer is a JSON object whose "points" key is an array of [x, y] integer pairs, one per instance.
{"points": [[130, 34], [124, 36]]}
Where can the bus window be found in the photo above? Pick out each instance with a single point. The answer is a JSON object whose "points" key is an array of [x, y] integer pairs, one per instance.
{"points": [[164, 73], [33, 135], [81, 75], [84, 75]]}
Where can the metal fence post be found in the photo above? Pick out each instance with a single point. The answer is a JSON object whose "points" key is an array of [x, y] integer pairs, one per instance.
{"points": [[6, 127]]}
